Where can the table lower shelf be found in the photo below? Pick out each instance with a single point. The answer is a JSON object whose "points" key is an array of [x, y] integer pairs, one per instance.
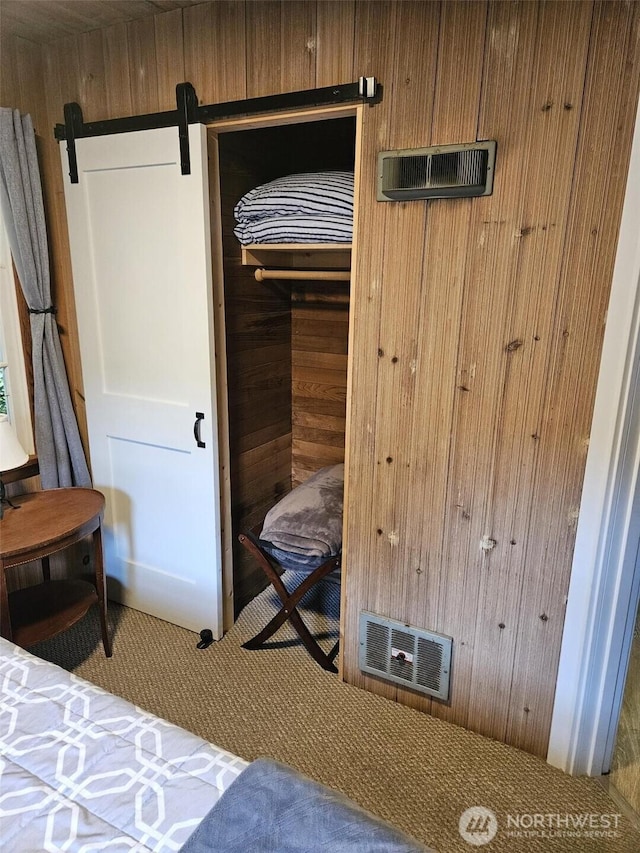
{"points": [[42, 611]]}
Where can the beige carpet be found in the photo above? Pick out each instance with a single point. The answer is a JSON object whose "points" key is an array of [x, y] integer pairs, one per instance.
{"points": [[417, 772]]}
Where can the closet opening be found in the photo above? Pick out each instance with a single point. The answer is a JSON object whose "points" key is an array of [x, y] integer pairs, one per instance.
{"points": [[282, 342]]}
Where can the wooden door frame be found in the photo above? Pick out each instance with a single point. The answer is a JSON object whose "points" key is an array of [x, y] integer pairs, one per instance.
{"points": [[605, 578], [214, 129]]}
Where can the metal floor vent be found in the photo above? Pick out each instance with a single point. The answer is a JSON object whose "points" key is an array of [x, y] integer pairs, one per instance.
{"points": [[406, 655], [443, 171]]}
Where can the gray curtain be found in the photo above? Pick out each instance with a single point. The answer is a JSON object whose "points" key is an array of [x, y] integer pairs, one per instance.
{"points": [[60, 454]]}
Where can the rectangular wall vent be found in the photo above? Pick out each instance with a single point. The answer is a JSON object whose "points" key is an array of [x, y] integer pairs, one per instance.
{"points": [[406, 655], [443, 171]]}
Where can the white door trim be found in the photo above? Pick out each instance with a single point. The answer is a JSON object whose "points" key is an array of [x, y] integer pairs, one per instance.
{"points": [[605, 583]]}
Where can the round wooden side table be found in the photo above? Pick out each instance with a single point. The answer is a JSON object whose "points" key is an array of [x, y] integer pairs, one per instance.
{"points": [[43, 523]]}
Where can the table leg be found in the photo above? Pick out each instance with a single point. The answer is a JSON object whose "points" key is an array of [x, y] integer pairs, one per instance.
{"points": [[101, 588], [5, 618], [46, 569]]}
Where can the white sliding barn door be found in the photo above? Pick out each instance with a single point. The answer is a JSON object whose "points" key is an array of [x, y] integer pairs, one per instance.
{"points": [[140, 248]]}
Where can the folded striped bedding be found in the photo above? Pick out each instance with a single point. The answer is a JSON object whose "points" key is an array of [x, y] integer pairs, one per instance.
{"points": [[295, 229], [310, 207]]}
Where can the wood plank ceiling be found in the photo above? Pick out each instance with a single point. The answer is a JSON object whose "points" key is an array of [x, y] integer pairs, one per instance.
{"points": [[45, 21]]}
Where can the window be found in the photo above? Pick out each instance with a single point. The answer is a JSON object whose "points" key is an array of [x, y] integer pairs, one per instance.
{"points": [[14, 395], [3, 389]]}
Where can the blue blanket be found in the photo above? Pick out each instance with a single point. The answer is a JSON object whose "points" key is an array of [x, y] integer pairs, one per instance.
{"points": [[271, 808]]}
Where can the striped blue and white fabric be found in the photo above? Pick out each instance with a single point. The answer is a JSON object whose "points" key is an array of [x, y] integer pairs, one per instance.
{"points": [[309, 207], [296, 229]]}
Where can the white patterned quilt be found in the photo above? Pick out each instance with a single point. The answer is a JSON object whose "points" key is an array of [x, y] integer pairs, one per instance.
{"points": [[82, 770]]}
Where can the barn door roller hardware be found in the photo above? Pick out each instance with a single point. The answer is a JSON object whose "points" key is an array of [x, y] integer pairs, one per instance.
{"points": [[188, 111]]}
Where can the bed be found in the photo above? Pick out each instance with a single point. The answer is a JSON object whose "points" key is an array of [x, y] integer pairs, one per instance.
{"points": [[82, 770]]}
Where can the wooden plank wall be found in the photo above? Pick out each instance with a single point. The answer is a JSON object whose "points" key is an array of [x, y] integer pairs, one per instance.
{"points": [[320, 339], [476, 326]]}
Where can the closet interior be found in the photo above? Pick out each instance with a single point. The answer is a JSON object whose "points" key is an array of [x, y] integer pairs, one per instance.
{"points": [[283, 350]]}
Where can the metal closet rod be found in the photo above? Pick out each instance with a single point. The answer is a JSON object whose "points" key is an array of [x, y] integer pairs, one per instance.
{"points": [[303, 275]]}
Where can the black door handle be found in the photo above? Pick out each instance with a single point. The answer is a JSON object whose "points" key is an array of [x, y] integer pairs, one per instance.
{"points": [[196, 429]]}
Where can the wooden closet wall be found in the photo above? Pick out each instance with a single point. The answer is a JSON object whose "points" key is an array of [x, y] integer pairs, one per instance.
{"points": [[286, 342], [476, 324]]}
